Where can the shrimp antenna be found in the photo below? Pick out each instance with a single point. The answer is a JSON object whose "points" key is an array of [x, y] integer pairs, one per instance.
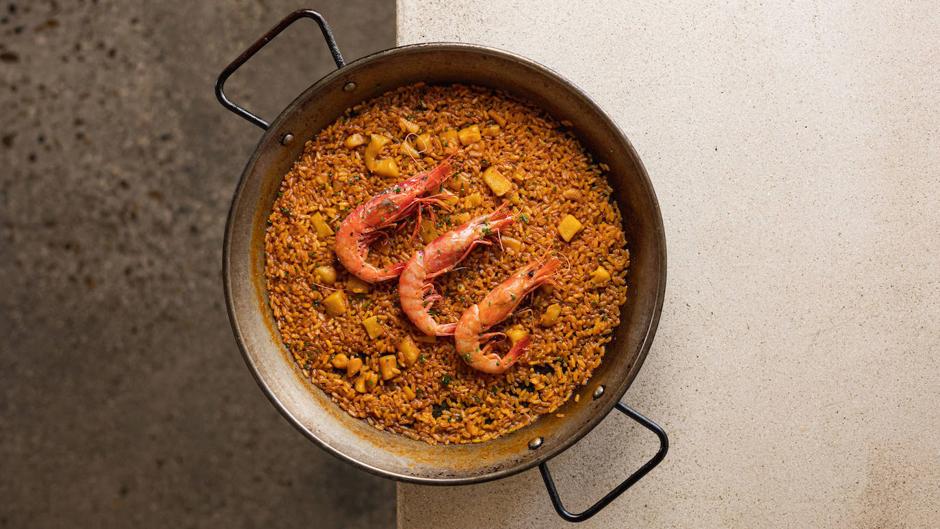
{"points": [[410, 134], [318, 285], [565, 257]]}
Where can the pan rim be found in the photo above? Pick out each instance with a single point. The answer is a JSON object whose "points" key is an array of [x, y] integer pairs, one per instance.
{"points": [[648, 333]]}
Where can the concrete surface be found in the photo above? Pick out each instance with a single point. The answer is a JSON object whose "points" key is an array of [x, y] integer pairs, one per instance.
{"points": [[794, 149], [123, 399]]}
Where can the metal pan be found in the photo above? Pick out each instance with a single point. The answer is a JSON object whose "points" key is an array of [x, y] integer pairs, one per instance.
{"points": [[305, 405]]}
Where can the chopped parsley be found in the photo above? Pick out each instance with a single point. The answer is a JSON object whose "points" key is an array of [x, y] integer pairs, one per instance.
{"points": [[445, 380], [524, 218], [543, 369], [438, 409]]}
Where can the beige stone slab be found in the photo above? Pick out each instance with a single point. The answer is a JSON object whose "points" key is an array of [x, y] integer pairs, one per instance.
{"points": [[795, 148]]}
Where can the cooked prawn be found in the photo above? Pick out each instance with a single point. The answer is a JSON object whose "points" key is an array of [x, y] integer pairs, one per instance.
{"points": [[416, 284], [495, 307], [364, 224]]}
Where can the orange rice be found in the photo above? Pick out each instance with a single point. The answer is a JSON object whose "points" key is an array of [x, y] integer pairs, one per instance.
{"points": [[438, 398]]}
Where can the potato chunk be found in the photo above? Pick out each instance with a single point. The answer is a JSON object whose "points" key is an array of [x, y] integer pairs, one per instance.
{"points": [[357, 286], [385, 167], [326, 274], [373, 327], [516, 333], [388, 365], [360, 383], [353, 366], [335, 303], [551, 314], [408, 150], [512, 243], [469, 135], [340, 361], [569, 227], [377, 142], [600, 276], [408, 126], [423, 142], [355, 140], [408, 350], [498, 183], [319, 224]]}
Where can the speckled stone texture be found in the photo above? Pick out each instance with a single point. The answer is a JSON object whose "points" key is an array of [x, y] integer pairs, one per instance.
{"points": [[123, 399], [794, 149]]}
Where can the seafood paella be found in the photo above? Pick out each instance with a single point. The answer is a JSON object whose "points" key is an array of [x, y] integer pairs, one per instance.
{"points": [[446, 262]]}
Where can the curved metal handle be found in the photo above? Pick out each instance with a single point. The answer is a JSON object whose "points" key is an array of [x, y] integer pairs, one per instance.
{"points": [[254, 48], [620, 489]]}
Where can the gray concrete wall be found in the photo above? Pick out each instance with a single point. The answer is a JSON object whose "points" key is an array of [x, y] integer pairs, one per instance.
{"points": [[123, 399]]}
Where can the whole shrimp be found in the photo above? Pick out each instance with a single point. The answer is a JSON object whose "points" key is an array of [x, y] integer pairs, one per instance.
{"points": [[364, 224], [495, 307], [416, 284]]}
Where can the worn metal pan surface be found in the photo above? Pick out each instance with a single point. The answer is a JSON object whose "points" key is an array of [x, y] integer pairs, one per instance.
{"points": [[307, 407]]}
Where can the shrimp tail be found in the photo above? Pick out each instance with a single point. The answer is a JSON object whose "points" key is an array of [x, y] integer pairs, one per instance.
{"points": [[440, 174], [386, 273], [545, 272], [516, 352], [397, 268], [436, 200], [501, 217], [446, 329], [474, 244]]}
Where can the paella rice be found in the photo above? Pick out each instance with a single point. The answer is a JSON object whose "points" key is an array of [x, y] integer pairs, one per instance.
{"points": [[352, 339]]}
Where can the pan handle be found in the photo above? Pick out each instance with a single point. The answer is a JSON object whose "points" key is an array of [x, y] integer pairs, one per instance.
{"points": [[620, 489], [260, 43]]}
